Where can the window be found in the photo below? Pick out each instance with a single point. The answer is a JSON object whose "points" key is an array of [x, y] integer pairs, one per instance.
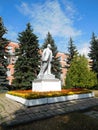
{"points": [[60, 58], [9, 49], [8, 72]]}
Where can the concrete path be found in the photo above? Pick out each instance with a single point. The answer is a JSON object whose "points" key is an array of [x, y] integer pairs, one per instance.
{"points": [[12, 113]]}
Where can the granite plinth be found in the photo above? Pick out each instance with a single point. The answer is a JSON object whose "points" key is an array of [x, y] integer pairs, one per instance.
{"points": [[46, 76], [46, 84]]}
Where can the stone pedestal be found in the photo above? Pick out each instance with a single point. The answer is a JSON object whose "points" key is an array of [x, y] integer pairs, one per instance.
{"points": [[46, 83]]}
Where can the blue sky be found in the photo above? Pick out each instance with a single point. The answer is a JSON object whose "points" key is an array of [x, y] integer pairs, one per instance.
{"points": [[62, 18]]}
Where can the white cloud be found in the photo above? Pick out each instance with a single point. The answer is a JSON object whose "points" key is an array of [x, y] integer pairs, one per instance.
{"points": [[50, 17], [24, 8], [69, 8], [84, 49], [11, 34]]}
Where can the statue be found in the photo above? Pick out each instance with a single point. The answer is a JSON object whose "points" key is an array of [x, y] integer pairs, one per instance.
{"points": [[46, 81], [46, 62]]}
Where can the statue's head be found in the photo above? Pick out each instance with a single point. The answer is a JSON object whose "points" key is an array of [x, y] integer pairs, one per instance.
{"points": [[49, 46]]}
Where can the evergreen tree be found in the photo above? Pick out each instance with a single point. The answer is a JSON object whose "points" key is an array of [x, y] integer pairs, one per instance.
{"points": [[79, 75], [93, 54], [56, 67], [27, 65], [71, 50], [3, 54]]}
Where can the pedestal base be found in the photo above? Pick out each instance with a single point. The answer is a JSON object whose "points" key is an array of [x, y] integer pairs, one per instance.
{"points": [[44, 85]]}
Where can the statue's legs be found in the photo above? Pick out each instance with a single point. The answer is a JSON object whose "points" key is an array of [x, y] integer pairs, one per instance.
{"points": [[43, 69], [49, 69]]}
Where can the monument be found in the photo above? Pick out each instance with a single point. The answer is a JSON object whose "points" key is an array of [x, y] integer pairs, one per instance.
{"points": [[46, 81]]}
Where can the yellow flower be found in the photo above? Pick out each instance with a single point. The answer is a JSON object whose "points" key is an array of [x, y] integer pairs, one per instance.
{"points": [[70, 93]]}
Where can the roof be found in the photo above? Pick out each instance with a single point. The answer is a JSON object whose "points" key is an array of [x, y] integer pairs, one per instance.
{"points": [[13, 44]]}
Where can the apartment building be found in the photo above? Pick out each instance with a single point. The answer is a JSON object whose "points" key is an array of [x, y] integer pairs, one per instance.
{"points": [[11, 59], [63, 60]]}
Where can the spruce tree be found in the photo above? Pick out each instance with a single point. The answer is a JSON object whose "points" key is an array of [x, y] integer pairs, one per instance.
{"points": [[93, 54], [72, 51], [27, 65], [56, 67], [3, 54], [79, 74]]}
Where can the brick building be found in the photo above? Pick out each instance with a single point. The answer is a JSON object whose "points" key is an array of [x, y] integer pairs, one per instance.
{"points": [[63, 61], [12, 59]]}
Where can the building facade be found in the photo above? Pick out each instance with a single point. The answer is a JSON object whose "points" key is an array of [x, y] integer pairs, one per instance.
{"points": [[63, 61], [12, 59]]}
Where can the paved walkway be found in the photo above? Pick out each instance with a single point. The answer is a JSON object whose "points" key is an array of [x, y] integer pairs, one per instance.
{"points": [[12, 113]]}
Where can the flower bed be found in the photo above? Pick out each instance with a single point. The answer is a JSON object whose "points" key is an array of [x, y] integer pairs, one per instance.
{"points": [[29, 98], [29, 94]]}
